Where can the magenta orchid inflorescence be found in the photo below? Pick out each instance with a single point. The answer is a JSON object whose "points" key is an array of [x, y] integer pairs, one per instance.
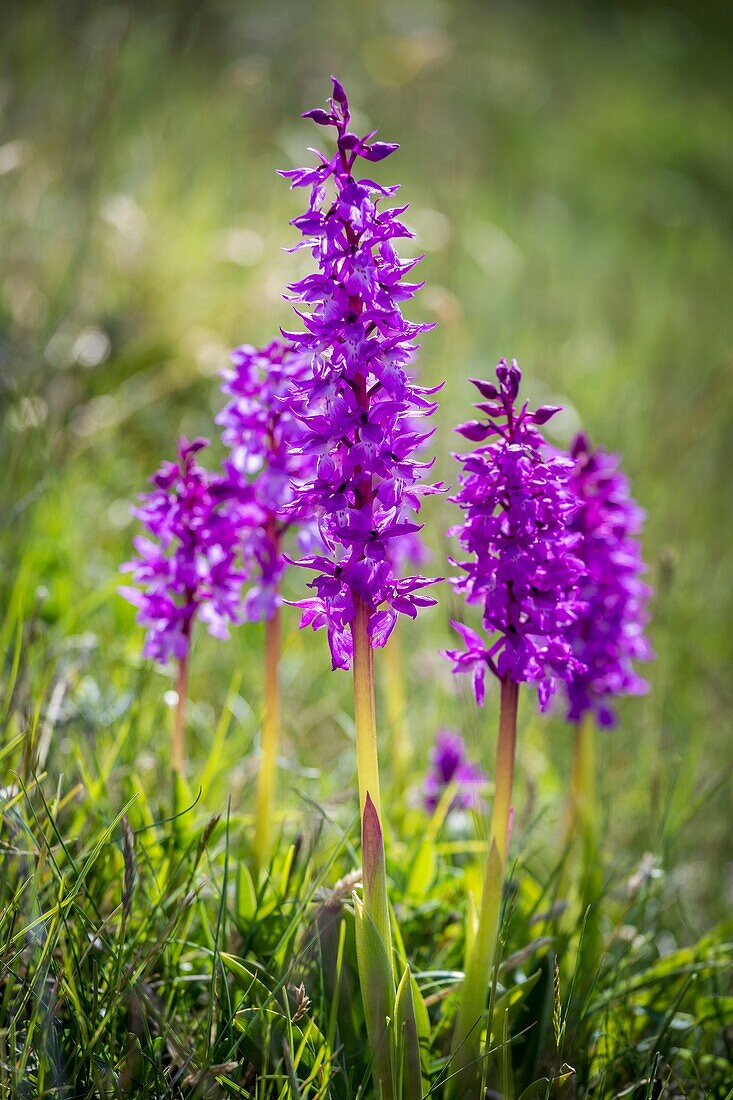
{"points": [[609, 635], [265, 442], [190, 566], [524, 570], [357, 402]]}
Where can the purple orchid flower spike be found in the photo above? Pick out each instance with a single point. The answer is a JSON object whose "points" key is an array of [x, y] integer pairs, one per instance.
{"points": [[189, 565], [524, 571], [609, 635], [265, 443], [357, 405]]}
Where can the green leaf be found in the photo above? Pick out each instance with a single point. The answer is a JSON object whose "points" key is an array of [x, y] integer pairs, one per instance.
{"points": [[538, 1090], [424, 866], [246, 895], [517, 993], [421, 1015], [287, 869], [247, 977], [408, 1059], [374, 870], [543, 1087], [500, 1024], [378, 996]]}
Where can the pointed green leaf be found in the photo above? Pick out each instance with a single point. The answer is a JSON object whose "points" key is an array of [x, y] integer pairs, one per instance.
{"points": [[422, 873], [538, 1090], [374, 870], [247, 977], [516, 993], [287, 869], [378, 995], [408, 1058], [246, 894]]}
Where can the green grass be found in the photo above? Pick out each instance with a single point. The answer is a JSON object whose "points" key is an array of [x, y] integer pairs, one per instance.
{"points": [[139, 959], [571, 183]]}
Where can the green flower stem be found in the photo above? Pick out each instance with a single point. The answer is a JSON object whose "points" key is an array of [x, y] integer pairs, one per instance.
{"points": [[583, 781], [394, 696], [583, 830], [270, 740], [178, 732], [580, 826], [466, 1063], [373, 933], [367, 764]]}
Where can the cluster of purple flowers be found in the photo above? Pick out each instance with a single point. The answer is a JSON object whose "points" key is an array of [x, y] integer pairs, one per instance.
{"points": [[357, 403], [609, 634], [324, 430], [449, 764], [190, 566], [524, 570], [266, 446]]}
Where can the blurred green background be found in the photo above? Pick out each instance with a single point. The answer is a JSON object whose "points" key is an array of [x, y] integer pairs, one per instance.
{"points": [[570, 174]]}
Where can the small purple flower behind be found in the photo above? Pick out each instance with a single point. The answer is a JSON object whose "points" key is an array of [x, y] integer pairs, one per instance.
{"points": [[609, 635], [188, 565], [449, 765], [265, 441], [523, 570]]}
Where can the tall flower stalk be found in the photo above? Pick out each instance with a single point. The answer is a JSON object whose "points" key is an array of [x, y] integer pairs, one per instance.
{"points": [[267, 774], [367, 761], [406, 553], [358, 406], [189, 565], [178, 738], [523, 572], [581, 816], [607, 638], [264, 441]]}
